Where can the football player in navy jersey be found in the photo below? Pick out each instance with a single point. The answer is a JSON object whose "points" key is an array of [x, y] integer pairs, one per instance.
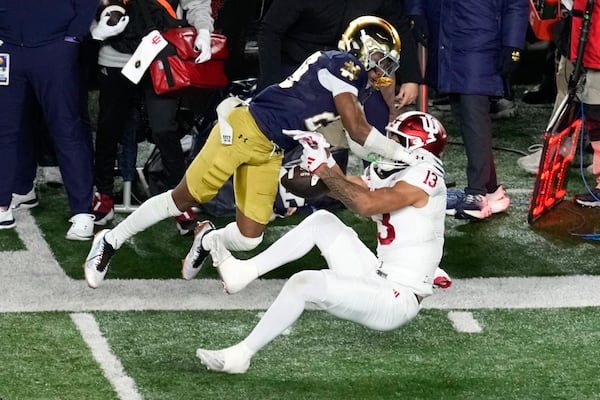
{"points": [[249, 141], [382, 291]]}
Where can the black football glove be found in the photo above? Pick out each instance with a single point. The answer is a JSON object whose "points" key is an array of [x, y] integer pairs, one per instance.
{"points": [[509, 61], [420, 28]]}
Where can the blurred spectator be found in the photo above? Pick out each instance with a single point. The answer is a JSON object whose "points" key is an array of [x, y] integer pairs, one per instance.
{"points": [[503, 106], [566, 38], [500, 107], [292, 31], [545, 91], [46, 156], [562, 69], [40, 56], [473, 47], [38, 150], [590, 93], [239, 20], [118, 97]]}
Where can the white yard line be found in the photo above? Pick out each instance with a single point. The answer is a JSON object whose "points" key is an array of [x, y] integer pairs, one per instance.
{"points": [[464, 321], [31, 280], [109, 363]]}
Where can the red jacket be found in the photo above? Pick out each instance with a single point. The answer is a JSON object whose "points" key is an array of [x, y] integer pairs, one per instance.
{"points": [[591, 55]]}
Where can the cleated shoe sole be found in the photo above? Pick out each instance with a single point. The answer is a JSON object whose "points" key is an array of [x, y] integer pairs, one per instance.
{"points": [[98, 260], [192, 264]]}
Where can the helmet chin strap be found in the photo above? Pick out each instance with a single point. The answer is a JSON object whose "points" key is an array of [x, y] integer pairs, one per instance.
{"points": [[381, 82]]}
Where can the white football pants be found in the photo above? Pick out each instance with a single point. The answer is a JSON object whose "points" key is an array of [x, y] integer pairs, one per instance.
{"points": [[350, 289]]}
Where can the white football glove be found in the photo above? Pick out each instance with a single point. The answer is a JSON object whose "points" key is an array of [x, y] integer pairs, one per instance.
{"points": [[202, 44], [102, 30], [314, 155], [314, 139]]}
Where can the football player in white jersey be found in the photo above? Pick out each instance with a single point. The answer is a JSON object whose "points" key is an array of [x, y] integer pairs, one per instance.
{"points": [[381, 291]]}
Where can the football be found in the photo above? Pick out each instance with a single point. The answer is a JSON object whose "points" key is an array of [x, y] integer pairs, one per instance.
{"points": [[301, 183]]}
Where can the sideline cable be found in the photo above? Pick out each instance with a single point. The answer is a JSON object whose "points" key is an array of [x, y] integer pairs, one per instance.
{"points": [[587, 236]]}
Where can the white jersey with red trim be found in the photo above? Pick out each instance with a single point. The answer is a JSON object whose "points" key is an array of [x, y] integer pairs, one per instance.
{"points": [[410, 241]]}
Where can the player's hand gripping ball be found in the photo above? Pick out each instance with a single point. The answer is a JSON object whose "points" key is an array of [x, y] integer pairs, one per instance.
{"points": [[301, 183]]}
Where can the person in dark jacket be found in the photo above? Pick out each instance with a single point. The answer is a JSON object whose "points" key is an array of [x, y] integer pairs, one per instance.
{"points": [[473, 47], [292, 31], [39, 53]]}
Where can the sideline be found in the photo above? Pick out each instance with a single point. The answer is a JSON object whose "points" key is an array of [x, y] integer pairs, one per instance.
{"points": [[111, 367], [46, 287]]}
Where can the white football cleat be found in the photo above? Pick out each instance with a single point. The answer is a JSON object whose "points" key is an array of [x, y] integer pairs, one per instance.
{"points": [[192, 264], [82, 227], [7, 220], [98, 259], [236, 274], [232, 360]]}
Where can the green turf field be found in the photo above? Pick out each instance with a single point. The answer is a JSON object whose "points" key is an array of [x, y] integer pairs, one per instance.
{"points": [[520, 354], [521, 320]]}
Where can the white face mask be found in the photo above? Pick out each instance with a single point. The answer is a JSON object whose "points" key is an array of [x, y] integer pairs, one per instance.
{"points": [[378, 57], [386, 64]]}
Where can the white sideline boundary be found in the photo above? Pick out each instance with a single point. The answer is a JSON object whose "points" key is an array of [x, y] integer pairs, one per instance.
{"points": [[112, 368], [32, 281]]}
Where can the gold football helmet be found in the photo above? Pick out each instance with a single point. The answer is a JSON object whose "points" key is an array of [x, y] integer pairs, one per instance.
{"points": [[367, 36]]}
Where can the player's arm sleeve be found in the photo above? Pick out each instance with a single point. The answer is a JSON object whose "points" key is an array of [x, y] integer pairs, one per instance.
{"points": [[367, 136]]}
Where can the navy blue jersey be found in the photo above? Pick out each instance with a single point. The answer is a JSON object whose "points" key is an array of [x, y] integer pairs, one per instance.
{"points": [[301, 102]]}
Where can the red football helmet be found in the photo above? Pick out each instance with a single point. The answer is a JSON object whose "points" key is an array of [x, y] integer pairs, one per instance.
{"points": [[417, 129]]}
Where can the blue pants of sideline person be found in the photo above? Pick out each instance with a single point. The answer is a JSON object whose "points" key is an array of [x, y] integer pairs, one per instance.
{"points": [[52, 74]]}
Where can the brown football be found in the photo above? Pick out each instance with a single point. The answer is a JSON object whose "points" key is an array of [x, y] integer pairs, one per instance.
{"points": [[301, 183]]}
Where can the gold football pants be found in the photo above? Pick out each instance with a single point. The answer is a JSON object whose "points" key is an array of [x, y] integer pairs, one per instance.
{"points": [[252, 159]]}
